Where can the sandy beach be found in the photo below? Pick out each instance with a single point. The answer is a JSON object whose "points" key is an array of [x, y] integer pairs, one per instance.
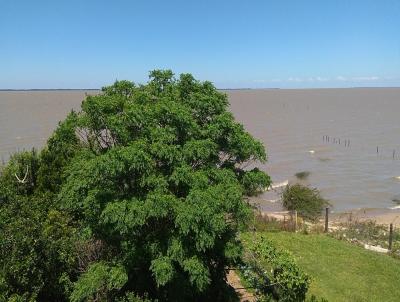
{"points": [[380, 216]]}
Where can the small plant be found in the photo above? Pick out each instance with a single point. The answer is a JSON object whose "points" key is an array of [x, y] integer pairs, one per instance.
{"points": [[265, 223], [307, 201], [368, 232]]}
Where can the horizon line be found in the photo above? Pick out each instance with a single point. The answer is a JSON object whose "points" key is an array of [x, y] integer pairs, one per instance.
{"points": [[240, 88]]}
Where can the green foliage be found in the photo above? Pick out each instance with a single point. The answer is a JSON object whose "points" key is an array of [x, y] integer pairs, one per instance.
{"points": [[315, 299], [255, 182], [61, 147], [23, 165], [140, 195], [273, 272], [99, 283], [307, 201], [131, 297], [36, 248]]}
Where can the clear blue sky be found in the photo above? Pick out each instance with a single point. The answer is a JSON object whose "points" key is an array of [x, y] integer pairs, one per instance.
{"points": [[88, 44]]}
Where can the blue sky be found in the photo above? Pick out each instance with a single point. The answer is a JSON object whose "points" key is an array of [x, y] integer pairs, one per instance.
{"points": [[286, 44]]}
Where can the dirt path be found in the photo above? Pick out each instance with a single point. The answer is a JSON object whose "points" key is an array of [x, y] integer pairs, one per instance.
{"points": [[234, 281]]}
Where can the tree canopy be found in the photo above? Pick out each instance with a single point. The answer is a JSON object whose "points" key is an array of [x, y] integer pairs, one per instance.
{"points": [[139, 195]]}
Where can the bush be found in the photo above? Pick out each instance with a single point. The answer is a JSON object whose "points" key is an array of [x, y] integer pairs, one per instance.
{"points": [[273, 273], [307, 201]]}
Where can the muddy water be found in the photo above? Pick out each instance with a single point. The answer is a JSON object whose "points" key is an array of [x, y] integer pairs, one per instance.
{"points": [[27, 118], [292, 124]]}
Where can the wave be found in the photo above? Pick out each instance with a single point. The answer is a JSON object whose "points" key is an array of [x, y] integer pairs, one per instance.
{"points": [[278, 185], [395, 207], [273, 200]]}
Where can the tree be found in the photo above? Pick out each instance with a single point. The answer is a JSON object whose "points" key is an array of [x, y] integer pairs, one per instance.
{"points": [[36, 240], [154, 178], [307, 201]]}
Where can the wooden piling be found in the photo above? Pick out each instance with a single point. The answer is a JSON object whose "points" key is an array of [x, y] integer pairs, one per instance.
{"points": [[326, 219]]}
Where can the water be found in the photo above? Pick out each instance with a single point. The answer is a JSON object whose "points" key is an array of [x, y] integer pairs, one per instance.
{"points": [[289, 122], [27, 118]]}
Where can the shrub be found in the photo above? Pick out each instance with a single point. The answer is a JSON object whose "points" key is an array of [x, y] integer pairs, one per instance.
{"points": [[273, 272], [263, 222], [307, 201]]}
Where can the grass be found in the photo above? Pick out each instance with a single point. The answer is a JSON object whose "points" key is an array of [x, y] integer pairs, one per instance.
{"points": [[341, 271]]}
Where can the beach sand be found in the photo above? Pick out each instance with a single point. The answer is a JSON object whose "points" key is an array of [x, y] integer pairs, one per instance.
{"points": [[380, 216]]}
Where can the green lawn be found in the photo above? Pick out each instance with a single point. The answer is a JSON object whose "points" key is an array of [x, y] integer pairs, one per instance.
{"points": [[341, 271]]}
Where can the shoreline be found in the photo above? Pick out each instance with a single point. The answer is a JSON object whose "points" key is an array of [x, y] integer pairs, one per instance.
{"points": [[379, 215], [383, 216]]}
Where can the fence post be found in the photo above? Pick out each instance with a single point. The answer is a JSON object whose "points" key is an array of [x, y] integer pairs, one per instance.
{"points": [[295, 221], [390, 236], [326, 219]]}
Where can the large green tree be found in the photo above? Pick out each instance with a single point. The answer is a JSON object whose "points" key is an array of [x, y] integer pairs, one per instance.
{"points": [[154, 177]]}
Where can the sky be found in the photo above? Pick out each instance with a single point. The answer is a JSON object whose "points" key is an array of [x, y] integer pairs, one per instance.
{"points": [[234, 44]]}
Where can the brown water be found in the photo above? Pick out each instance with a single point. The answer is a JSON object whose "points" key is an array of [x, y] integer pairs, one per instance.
{"points": [[27, 118], [291, 123]]}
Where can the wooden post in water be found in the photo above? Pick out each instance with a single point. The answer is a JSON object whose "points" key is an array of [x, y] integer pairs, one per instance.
{"points": [[339, 141], [377, 150], [394, 152], [390, 236], [326, 219]]}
